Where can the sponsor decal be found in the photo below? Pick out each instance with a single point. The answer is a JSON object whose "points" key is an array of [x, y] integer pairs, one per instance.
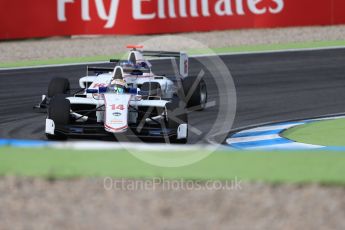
{"points": [[163, 9], [117, 107], [117, 114], [116, 122], [98, 85], [107, 14], [186, 67]]}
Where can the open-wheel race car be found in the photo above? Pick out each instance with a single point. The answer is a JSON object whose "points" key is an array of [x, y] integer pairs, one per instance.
{"points": [[127, 100]]}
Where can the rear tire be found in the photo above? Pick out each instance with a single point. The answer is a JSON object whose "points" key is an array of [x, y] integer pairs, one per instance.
{"points": [[58, 86], [198, 99]]}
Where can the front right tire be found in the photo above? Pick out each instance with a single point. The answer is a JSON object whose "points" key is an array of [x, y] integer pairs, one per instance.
{"points": [[59, 112], [176, 115], [58, 86]]}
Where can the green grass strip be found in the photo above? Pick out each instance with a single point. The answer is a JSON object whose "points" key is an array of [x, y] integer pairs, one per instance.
{"points": [[235, 49], [275, 167], [325, 133], [58, 61]]}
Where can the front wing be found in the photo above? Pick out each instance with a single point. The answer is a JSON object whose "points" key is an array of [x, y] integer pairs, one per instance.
{"points": [[98, 131]]}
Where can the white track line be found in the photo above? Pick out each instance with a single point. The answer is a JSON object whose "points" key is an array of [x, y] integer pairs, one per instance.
{"points": [[102, 145], [271, 127], [271, 51], [287, 146], [236, 140]]}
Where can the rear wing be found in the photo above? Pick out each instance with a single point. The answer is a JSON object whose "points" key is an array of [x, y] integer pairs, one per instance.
{"points": [[98, 70], [101, 70], [181, 57]]}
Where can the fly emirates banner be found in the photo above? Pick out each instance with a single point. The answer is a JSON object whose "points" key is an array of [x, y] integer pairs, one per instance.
{"points": [[44, 18]]}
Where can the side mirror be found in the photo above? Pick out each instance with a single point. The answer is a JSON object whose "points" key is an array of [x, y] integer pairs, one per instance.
{"points": [[102, 89], [91, 91], [133, 91]]}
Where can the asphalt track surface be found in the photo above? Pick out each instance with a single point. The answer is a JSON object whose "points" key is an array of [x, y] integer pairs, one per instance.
{"points": [[269, 86]]}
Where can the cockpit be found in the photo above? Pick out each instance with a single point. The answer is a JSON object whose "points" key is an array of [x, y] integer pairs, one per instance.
{"points": [[138, 68]]}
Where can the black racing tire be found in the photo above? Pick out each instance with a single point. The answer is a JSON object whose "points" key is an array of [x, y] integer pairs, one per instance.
{"points": [[58, 86], [56, 137], [176, 115], [198, 99], [59, 112]]}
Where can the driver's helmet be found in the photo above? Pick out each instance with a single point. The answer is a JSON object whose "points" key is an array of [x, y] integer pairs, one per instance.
{"points": [[143, 65], [128, 64], [118, 85]]}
